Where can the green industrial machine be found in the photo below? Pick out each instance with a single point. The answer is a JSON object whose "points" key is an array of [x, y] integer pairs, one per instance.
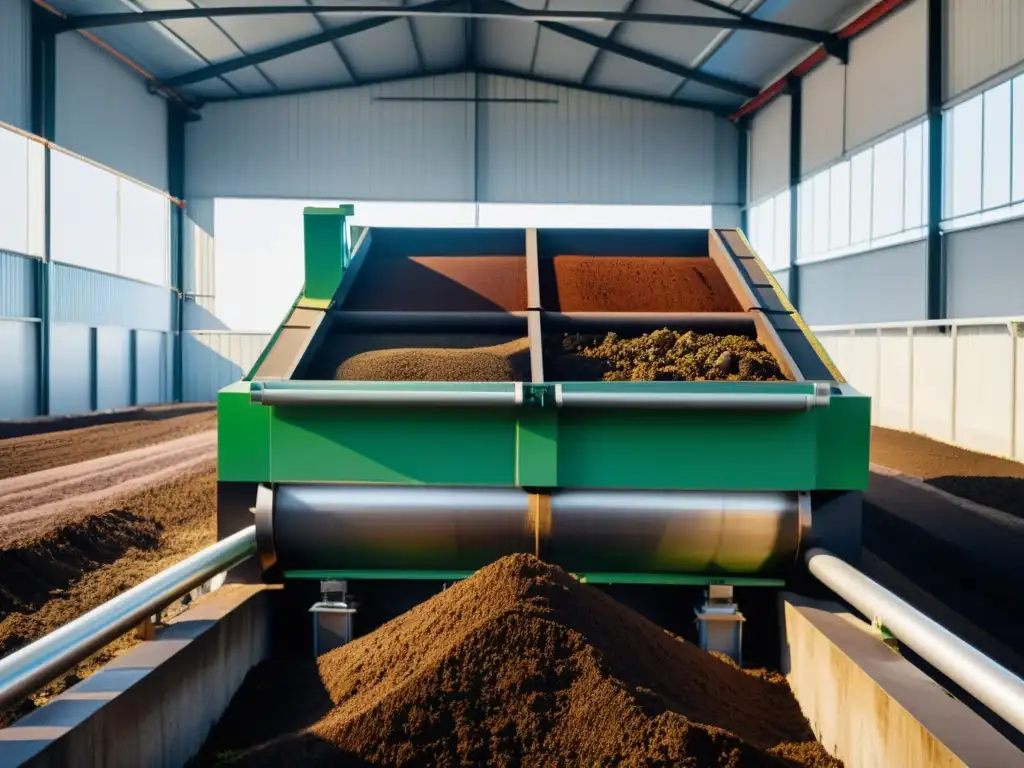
{"points": [[665, 482]]}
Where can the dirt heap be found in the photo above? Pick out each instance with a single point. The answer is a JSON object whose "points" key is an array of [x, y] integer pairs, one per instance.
{"points": [[501, 362], [665, 355], [522, 664], [639, 284]]}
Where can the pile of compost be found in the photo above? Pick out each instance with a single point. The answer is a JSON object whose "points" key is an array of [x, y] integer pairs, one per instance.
{"points": [[500, 362], [522, 665], [663, 355], [639, 284]]}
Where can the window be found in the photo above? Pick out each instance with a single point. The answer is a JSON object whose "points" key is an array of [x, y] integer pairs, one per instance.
{"points": [[963, 176], [860, 198], [21, 194], [839, 216], [995, 165], [873, 199], [768, 222], [888, 186]]}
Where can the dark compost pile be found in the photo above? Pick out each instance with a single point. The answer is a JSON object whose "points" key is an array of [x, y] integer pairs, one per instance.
{"points": [[663, 355], [518, 665]]}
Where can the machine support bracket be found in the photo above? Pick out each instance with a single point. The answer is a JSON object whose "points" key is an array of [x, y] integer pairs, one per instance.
{"points": [[721, 623]]}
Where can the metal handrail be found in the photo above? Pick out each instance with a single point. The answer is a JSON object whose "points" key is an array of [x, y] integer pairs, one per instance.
{"points": [[990, 683], [29, 668], [897, 325]]}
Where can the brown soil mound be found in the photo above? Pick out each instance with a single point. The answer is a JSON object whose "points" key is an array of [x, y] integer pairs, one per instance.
{"points": [[32, 453], [522, 664], [441, 284], [503, 362], [81, 563], [663, 356], [640, 284]]}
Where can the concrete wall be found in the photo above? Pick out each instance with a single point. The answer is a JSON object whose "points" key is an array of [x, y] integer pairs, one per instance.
{"points": [[15, 64], [565, 146]]}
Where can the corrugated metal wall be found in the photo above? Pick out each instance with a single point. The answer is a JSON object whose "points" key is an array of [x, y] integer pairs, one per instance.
{"points": [[105, 113], [200, 266], [96, 298], [15, 62], [877, 286], [354, 144], [985, 38], [886, 79], [986, 271], [214, 359], [823, 117], [769, 150], [17, 285], [590, 148]]}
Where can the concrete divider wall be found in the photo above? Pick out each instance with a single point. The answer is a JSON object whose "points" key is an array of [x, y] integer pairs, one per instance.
{"points": [[154, 705], [870, 707]]}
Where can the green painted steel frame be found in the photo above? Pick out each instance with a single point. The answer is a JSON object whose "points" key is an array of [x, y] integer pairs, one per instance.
{"points": [[664, 579], [545, 447]]}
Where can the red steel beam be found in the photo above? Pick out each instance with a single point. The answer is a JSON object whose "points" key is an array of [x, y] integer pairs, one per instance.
{"points": [[861, 24]]}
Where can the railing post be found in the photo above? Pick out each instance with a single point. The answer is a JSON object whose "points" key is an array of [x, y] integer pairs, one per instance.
{"points": [[1014, 327], [955, 341], [910, 377]]}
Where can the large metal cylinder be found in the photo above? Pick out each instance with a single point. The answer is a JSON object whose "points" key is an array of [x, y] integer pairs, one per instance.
{"points": [[348, 527]]}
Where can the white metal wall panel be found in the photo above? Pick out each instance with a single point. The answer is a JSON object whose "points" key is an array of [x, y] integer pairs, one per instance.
{"points": [[769, 150], [986, 271], [984, 391], [113, 368], [886, 79], [200, 272], [213, 360], [1018, 399], [149, 367], [984, 38], [15, 62], [823, 118], [70, 368], [887, 285], [581, 147], [105, 113], [932, 390], [894, 383], [338, 144], [565, 146], [19, 351]]}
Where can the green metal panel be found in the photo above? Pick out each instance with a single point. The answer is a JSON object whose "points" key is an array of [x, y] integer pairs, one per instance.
{"points": [[243, 436], [326, 249], [844, 442], [666, 579], [537, 448], [443, 446]]}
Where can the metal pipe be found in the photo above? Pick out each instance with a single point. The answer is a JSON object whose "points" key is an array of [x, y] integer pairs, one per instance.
{"points": [[394, 397], [990, 683], [695, 401], [29, 668]]}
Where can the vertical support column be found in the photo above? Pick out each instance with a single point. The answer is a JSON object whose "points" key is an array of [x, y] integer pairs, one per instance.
{"points": [[795, 90], [94, 369], [937, 271], [43, 53], [176, 120], [743, 167]]}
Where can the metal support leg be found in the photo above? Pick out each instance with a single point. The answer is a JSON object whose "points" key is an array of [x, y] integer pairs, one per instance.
{"points": [[332, 617], [721, 623]]}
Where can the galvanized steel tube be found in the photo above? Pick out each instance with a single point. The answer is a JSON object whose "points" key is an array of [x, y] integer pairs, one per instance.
{"points": [[695, 401], [323, 527], [990, 683], [693, 532], [394, 397], [28, 669], [329, 527]]}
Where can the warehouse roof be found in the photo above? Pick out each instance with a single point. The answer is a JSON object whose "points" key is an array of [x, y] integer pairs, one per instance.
{"points": [[709, 53]]}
